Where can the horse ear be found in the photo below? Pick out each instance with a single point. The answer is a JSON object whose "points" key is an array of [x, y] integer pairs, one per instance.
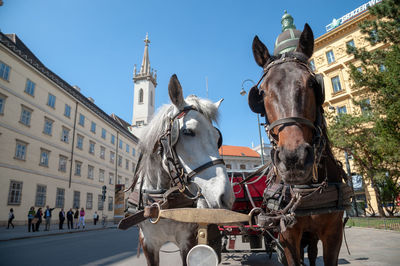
{"points": [[260, 52], [175, 92], [306, 42], [217, 104]]}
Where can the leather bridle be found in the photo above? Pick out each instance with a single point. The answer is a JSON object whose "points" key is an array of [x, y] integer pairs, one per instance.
{"points": [[167, 149], [319, 140]]}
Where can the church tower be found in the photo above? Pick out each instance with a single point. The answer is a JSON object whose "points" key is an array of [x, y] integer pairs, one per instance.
{"points": [[144, 85]]}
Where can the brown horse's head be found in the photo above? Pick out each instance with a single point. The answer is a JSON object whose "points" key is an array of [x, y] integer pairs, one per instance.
{"points": [[289, 98]]}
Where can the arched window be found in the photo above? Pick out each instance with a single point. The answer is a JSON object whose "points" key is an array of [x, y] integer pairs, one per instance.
{"points": [[141, 96]]}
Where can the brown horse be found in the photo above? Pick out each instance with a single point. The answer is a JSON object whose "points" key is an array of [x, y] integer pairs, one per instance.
{"points": [[290, 97]]}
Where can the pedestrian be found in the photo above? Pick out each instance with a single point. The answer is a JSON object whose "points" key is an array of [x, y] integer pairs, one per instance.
{"points": [[76, 218], [47, 216], [38, 216], [61, 217], [95, 217], [31, 216], [10, 218], [70, 219], [82, 218]]}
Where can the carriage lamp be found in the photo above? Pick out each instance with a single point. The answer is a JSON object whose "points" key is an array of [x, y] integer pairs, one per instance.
{"points": [[243, 93]]}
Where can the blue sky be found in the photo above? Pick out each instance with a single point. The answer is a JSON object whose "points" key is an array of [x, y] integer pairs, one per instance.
{"points": [[94, 44]]}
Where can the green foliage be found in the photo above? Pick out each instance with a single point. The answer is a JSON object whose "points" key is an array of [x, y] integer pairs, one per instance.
{"points": [[372, 135]]}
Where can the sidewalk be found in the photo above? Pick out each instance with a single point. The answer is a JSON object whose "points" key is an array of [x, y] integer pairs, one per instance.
{"points": [[21, 232]]}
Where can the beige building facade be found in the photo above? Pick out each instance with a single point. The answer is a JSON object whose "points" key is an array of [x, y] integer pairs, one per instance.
{"points": [[57, 147], [332, 61]]}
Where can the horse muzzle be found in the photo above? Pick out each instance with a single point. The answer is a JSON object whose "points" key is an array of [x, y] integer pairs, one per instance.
{"points": [[294, 166]]}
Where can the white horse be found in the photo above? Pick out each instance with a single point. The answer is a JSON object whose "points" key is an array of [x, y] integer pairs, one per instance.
{"points": [[196, 145]]}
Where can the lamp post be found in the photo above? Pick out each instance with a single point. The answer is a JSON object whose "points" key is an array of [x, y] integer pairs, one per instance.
{"points": [[350, 181], [243, 93]]}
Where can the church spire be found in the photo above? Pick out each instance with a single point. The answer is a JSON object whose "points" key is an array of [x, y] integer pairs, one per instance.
{"points": [[145, 70]]}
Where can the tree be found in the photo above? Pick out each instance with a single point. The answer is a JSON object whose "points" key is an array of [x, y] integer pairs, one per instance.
{"points": [[372, 135]]}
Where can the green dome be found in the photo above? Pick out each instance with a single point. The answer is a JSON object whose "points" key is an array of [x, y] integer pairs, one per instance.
{"points": [[288, 39]]}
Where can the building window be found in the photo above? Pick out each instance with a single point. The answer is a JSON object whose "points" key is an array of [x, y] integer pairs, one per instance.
{"points": [[89, 201], [78, 168], [126, 164], [93, 127], [26, 114], [102, 152], [48, 126], [77, 200], [139, 123], [228, 166], [133, 151], [67, 111], [120, 144], [44, 157], [79, 141], [242, 166], [133, 167], [119, 180], [112, 139], [151, 98], [119, 160], [127, 148], [336, 84], [20, 150], [342, 110], [350, 43], [103, 133], [4, 71], [81, 120], [110, 203], [112, 157], [40, 200], [330, 56], [312, 65], [65, 134], [101, 175], [90, 172], [51, 100], [126, 182], [2, 103], [111, 179], [62, 165], [141, 96], [60, 198], [30, 87], [365, 106], [100, 205], [15, 193], [91, 147]]}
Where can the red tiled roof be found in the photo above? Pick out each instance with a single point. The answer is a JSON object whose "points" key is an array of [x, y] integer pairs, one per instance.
{"points": [[228, 150]]}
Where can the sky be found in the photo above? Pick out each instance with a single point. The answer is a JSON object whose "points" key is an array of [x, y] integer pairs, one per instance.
{"points": [[94, 44]]}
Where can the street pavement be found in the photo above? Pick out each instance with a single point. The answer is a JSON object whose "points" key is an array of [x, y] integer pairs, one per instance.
{"points": [[110, 246]]}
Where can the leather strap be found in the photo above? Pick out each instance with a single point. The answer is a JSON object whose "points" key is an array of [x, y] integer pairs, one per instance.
{"points": [[204, 167], [131, 220], [290, 121]]}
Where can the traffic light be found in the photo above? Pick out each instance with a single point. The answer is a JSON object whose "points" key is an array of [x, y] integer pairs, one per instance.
{"points": [[103, 192]]}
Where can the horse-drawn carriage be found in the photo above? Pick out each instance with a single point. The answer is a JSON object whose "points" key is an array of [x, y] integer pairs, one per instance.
{"points": [[181, 182]]}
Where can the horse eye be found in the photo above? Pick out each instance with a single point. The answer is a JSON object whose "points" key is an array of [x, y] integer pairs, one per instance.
{"points": [[188, 132]]}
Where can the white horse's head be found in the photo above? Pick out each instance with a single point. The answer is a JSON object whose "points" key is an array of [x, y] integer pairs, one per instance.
{"points": [[197, 144], [194, 141]]}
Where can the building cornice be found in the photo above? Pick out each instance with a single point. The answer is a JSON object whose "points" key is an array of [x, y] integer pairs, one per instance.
{"points": [[27, 57]]}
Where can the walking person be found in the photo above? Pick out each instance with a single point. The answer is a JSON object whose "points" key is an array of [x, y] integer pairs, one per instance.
{"points": [[38, 216], [82, 218], [47, 216], [76, 218], [31, 216], [70, 219], [10, 218], [61, 217], [95, 217]]}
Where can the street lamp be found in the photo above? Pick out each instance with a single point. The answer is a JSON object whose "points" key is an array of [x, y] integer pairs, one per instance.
{"points": [[243, 93]]}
